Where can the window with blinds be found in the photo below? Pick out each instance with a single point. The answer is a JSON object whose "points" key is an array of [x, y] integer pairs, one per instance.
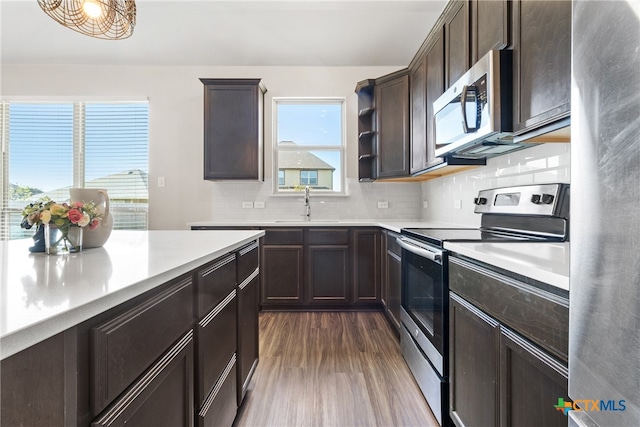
{"points": [[48, 148]]}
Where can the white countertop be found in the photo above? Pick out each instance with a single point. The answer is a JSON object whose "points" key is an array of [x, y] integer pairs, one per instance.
{"points": [[393, 224], [43, 295], [545, 262]]}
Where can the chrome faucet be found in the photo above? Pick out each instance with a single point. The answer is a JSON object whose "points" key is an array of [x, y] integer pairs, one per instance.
{"points": [[307, 204]]}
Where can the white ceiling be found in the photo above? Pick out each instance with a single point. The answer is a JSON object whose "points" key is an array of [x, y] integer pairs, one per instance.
{"points": [[215, 32]]}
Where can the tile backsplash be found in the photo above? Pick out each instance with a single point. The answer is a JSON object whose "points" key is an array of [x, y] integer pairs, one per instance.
{"points": [[404, 202], [450, 198]]}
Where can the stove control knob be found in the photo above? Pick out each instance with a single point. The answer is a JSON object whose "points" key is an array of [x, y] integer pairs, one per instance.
{"points": [[535, 198], [480, 201], [547, 199]]}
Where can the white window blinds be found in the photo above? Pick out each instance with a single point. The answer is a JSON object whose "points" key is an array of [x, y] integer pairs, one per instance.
{"points": [[51, 147]]}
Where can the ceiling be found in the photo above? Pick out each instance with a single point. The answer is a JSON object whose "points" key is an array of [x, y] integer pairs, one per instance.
{"points": [[230, 33]]}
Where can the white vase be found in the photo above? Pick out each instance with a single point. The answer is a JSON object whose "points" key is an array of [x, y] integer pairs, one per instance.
{"points": [[97, 237]]}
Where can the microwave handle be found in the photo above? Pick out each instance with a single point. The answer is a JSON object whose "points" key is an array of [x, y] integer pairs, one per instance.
{"points": [[463, 105]]}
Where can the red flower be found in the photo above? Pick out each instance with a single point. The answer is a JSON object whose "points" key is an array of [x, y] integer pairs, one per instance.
{"points": [[94, 224], [74, 216]]}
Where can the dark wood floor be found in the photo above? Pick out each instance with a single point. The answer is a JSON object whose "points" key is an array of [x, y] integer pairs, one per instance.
{"points": [[331, 369]]}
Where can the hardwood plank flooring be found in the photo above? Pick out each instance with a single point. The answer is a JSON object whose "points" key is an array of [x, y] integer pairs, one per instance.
{"points": [[331, 369]]}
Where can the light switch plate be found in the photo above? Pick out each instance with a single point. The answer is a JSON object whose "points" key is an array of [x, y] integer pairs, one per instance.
{"points": [[425, 204], [458, 204], [247, 205], [161, 181], [258, 205], [383, 205]]}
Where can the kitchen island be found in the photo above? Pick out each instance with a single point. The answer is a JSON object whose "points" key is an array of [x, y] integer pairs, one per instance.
{"points": [[80, 332]]}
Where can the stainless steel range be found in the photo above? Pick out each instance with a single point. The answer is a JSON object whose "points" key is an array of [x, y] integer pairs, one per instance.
{"points": [[510, 214]]}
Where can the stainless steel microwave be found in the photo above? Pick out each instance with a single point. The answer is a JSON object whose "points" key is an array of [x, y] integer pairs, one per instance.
{"points": [[473, 118]]}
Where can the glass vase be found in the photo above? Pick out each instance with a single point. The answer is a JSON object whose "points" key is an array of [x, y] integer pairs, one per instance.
{"points": [[62, 240]]}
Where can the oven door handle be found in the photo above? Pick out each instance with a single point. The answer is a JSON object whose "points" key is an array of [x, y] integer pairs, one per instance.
{"points": [[418, 250]]}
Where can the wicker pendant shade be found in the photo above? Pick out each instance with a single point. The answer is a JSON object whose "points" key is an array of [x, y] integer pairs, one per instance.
{"points": [[116, 18]]}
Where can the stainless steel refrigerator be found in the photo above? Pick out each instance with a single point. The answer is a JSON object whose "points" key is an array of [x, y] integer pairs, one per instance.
{"points": [[604, 326]]}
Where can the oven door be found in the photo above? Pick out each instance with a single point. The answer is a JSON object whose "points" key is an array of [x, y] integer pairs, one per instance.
{"points": [[424, 293]]}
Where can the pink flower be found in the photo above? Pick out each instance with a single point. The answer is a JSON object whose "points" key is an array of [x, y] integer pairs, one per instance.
{"points": [[77, 205], [75, 216], [94, 224]]}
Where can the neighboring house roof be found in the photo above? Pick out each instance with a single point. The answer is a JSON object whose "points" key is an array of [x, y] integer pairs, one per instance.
{"points": [[300, 159], [126, 185]]}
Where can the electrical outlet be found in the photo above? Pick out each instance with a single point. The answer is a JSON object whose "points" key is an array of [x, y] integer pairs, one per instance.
{"points": [[247, 205], [458, 204], [258, 205], [425, 204], [161, 181], [383, 205]]}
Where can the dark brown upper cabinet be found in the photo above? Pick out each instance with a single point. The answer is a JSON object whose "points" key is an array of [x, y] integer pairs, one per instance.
{"points": [[489, 26], [392, 125], [427, 84], [456, 24], [542, 66], [233, 129]]}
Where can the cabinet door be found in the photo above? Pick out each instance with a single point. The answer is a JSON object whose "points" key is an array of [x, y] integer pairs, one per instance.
{"points": [[163, 396], [384, 283], [542, 63], [418, 84], [328, 275], [435, 88], [531, 381], [248, 304], [392, 119], [474, 341], [457, 40], [233, 129], [394, 276], [366, 266], [282, 274], [489, 27], [216, 336]]}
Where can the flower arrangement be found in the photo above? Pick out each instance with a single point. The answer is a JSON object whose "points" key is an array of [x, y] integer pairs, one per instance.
{"points": [[61, 215], [54, 221]]}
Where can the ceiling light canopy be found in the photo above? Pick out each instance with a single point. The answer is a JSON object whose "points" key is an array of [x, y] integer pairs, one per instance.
{"points": [[103, 19]]}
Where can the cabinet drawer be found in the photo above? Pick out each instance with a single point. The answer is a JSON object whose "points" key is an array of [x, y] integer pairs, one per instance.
{"points": [[221, 406], [284, 236], [124, 347], [163, 396], [328, 236], [247, 261], [216, 338], [214, 283], [539, 315]]}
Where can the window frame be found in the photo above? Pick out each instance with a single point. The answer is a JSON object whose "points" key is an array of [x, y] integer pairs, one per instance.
{"points": [[342, 148]]}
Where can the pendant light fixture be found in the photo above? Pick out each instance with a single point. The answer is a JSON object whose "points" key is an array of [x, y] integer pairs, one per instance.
{"points": [[103, 19]]}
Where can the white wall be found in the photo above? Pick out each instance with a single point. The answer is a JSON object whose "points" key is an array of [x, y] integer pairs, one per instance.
{"points": [[176, 136], [545, 163]]}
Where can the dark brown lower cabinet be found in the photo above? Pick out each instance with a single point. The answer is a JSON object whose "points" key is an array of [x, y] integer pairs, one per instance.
{"points": [[248, 305], [394, 279], [163, 396], [281, 267], [220, 407], [498, 377], [366, 265], [531, 381], [328, 274], [474, 362]]}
